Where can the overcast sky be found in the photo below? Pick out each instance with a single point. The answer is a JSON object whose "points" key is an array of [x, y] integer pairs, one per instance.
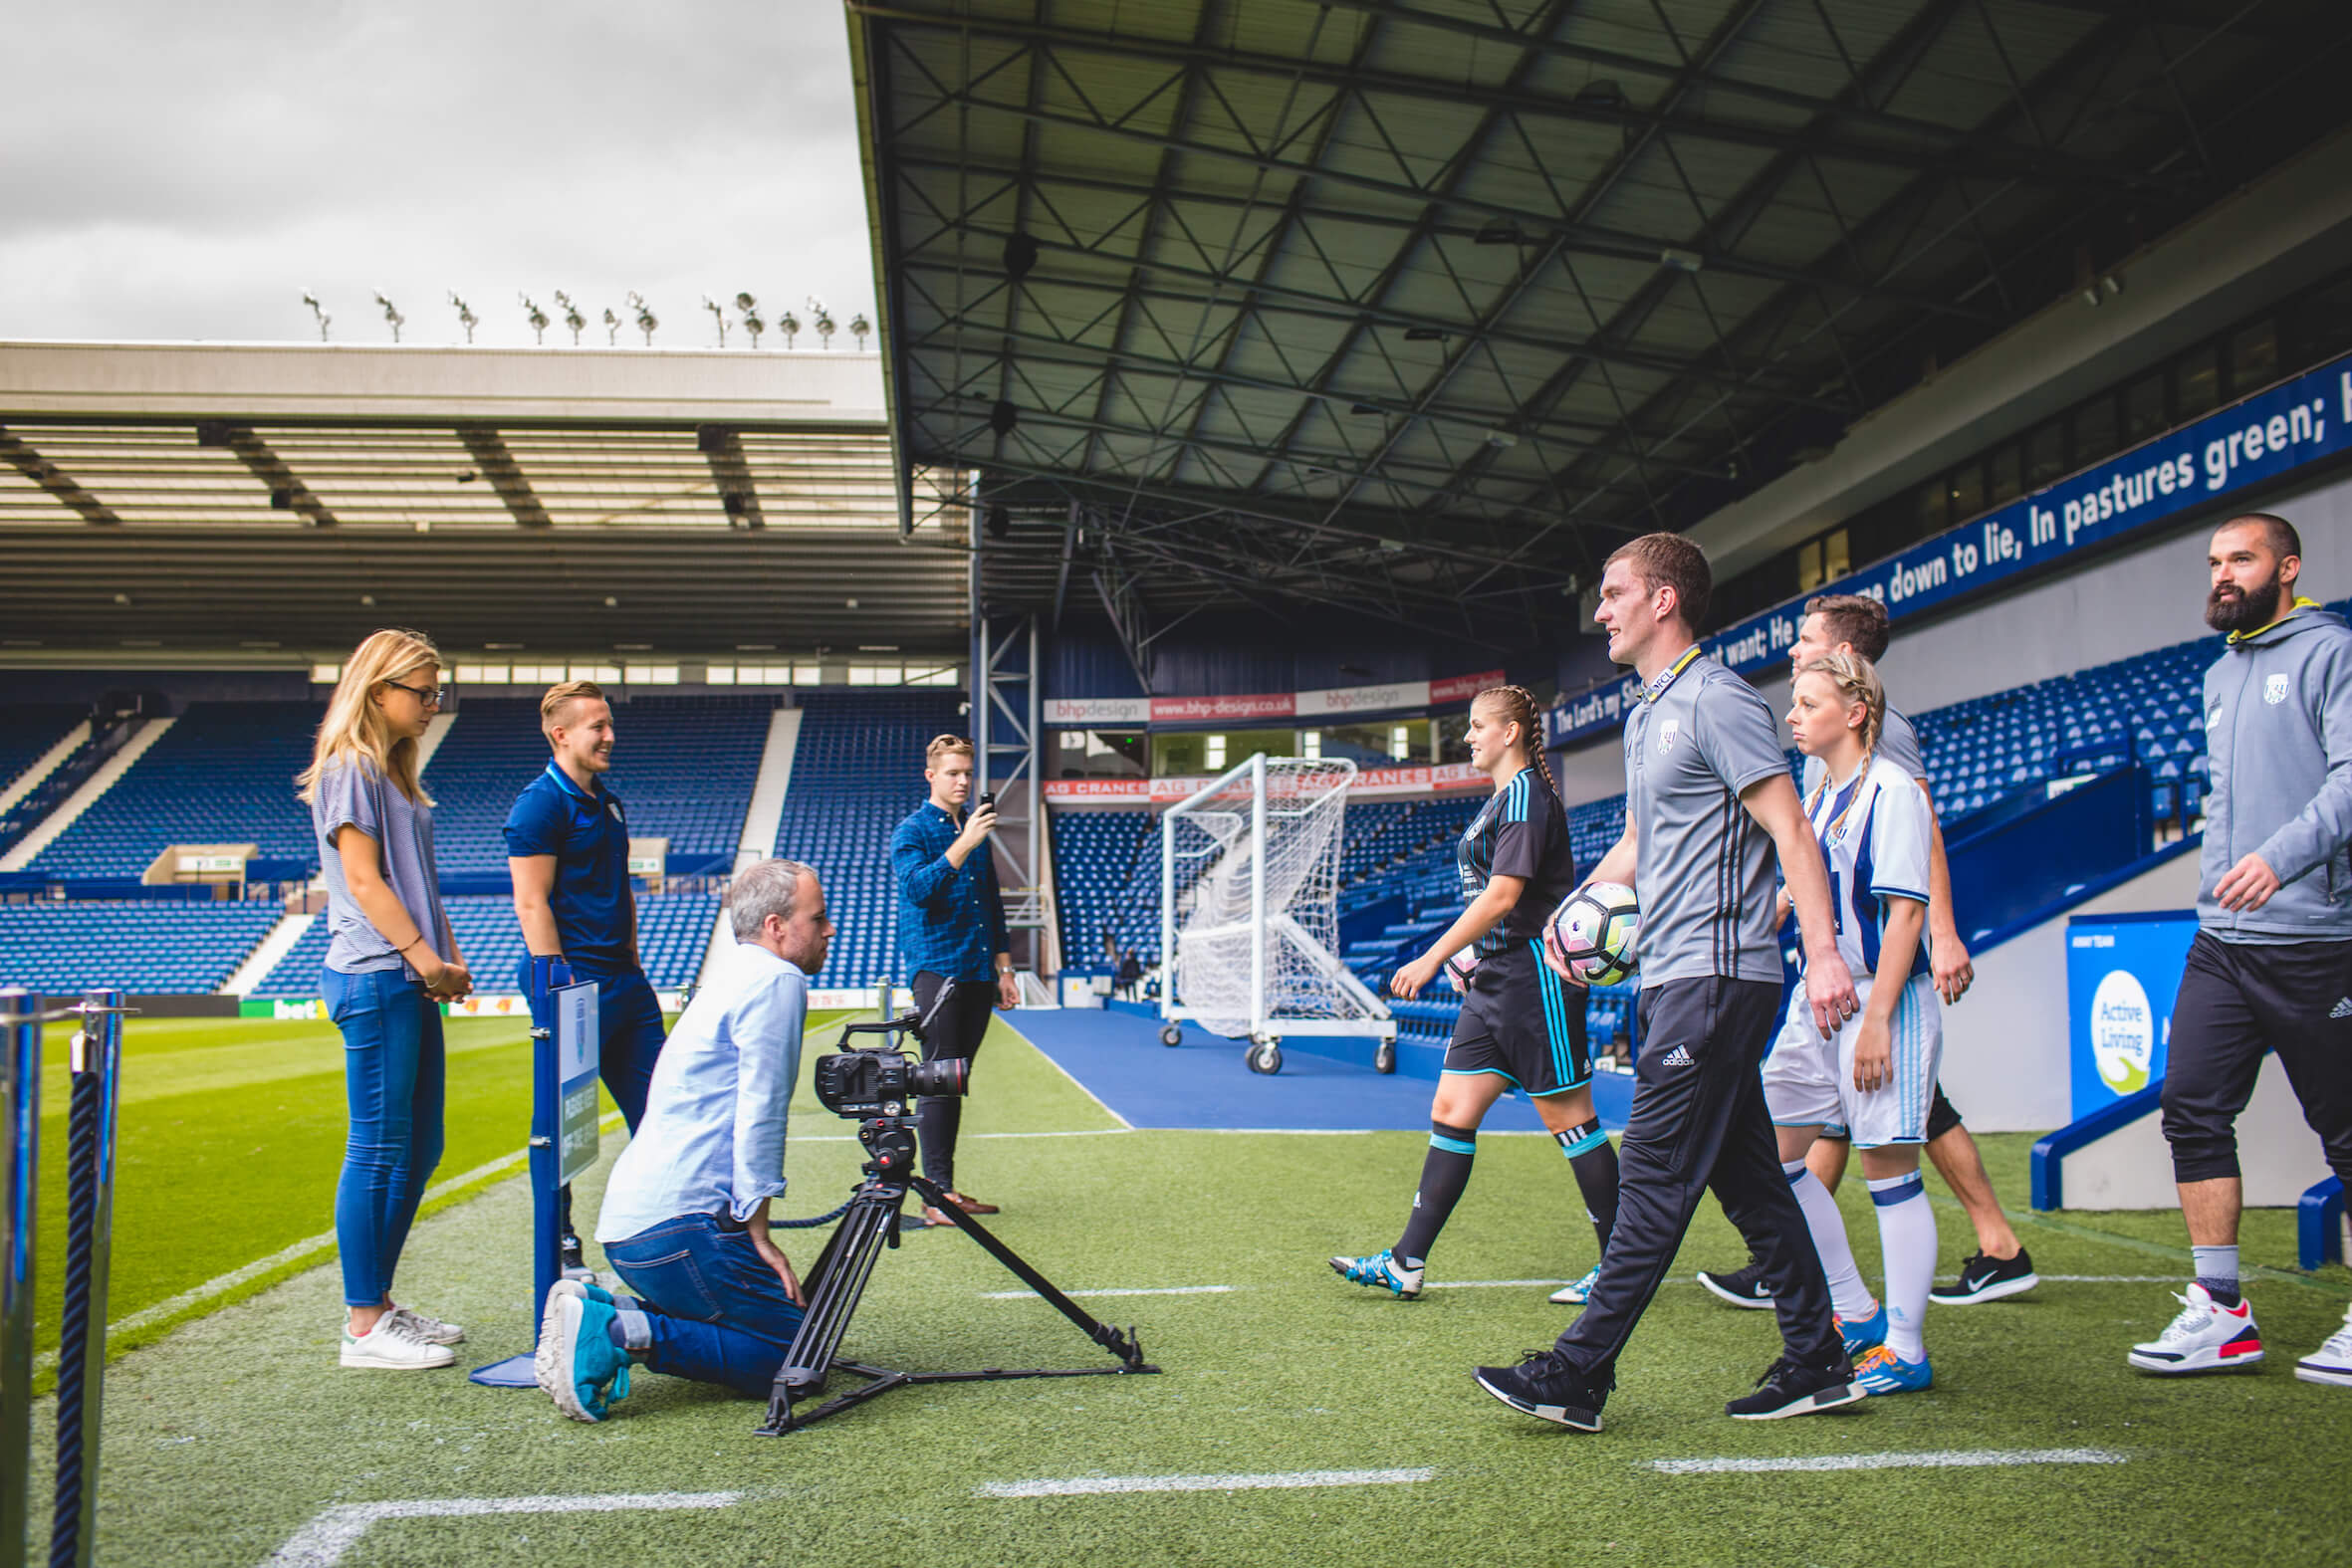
{"points": [[181, 172]]}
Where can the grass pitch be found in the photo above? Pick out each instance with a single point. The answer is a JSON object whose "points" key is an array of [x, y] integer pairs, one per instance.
{"points": [[238, 1434]]}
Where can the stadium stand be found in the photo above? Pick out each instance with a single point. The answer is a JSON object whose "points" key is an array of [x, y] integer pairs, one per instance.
{"points": [[29, 729], [223, 775], [146, 948], [858, 772], [685, 765], [674, 931]]}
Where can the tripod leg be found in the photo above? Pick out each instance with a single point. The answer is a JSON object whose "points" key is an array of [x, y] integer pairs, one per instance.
{"points": [[1095, 1328], [836, 1283]]}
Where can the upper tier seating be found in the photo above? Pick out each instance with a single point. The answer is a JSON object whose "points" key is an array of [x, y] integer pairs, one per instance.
{"points": [[685, 765], [223, 775], [857, 770], [673, 933], [29, 729], [149, 948]]}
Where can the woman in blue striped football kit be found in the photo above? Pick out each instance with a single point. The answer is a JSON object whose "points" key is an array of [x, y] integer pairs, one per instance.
{"points": [[1522, 1027]]}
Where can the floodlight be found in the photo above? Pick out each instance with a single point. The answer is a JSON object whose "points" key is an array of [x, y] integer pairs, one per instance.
{"points": [[391, 314], [465, 315], [536, 317], [572, 317], [719, 316], [858, 328], [320, 311], [646, 320]]}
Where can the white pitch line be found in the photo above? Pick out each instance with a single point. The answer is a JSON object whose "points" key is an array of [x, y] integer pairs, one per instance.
{"points": [[1937, 1459], [334, 1531], [1156, 1290], [2111, 1279], [1098, 1485]]}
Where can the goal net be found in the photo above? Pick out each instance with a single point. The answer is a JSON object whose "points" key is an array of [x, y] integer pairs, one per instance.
{"points": [[1249, 904]]}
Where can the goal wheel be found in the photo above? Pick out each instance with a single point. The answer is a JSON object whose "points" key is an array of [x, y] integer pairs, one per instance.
{"points": [[1265, 1057], [1171, 1034], [1384, 1057]]}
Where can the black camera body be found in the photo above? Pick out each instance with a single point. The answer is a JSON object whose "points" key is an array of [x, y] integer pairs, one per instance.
{"points": [[880, 1080]]}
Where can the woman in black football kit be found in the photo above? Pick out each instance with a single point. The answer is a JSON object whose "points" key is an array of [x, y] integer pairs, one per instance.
{"points": [[1522, 1027]]}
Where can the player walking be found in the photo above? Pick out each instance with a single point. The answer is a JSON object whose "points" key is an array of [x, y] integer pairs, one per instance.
{"points": [[1856, 623], [1704, 772], [2271, 966], [1875, 1082], [1521, 1026]]}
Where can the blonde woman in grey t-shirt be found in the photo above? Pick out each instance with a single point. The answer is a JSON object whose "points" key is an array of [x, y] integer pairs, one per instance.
{"points": [[391, 961]]}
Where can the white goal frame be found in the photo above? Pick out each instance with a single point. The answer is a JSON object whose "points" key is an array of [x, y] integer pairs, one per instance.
{"points": [[1265, 1027]]}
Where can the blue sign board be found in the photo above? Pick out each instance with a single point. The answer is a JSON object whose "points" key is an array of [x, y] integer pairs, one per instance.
{"points": [[2123, 973], [2245, 444]]}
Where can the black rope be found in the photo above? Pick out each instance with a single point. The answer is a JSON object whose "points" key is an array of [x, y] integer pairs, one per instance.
{"points": [[806, 1225], [73, 1442]]}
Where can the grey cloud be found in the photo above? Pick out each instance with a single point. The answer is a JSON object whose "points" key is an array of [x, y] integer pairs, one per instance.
{"points": [[199, 168]]}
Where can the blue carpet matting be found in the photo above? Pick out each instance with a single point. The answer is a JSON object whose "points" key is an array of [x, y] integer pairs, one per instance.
{"points": [[1203, 1083]]}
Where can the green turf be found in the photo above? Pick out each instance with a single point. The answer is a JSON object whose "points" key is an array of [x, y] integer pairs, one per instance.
{"points": [[231, 1137], [226, 1437]]}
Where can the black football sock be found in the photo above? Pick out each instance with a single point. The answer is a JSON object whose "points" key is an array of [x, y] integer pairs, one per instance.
{"points": [[1444, 1173], [1594, 1160]]}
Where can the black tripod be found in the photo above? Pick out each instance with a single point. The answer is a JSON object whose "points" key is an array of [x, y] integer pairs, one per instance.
{"points": [[843, 1268]]}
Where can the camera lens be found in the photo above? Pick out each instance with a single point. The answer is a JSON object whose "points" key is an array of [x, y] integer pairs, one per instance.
{"points": [[947, 1075]]}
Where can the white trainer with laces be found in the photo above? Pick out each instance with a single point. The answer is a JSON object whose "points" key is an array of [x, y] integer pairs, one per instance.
{"points": [[428, 1327], [2204, 1337], [2331, 1362], [394, 1345]]}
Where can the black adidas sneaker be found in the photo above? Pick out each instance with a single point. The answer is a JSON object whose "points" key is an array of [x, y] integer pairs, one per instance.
{"points": [[1787, 1389]]}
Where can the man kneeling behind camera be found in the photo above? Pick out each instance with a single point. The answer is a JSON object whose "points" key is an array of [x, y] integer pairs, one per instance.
{"points": [[685, 1216]]}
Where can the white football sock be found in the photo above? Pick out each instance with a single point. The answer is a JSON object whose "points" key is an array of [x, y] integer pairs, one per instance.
{"points": [[1906, 1238], [1847, 1293]]}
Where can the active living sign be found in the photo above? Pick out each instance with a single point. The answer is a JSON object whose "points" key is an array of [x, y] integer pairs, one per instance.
{"points": [[2262, 438], [1116, 712]]}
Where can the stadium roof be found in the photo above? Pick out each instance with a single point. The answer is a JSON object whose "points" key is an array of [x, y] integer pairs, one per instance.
{"points": [[1419, 307], [201, 495]]}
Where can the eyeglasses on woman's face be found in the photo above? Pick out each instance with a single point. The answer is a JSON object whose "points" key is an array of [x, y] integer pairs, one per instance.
{"points": [[429, 696]]}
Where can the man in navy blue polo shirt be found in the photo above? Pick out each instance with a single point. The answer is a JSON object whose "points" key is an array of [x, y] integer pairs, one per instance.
{"points": [[951, 933], [568, 850]]}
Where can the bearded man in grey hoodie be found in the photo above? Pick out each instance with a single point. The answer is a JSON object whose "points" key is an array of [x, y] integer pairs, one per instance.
{"points": [[2271, 966]]}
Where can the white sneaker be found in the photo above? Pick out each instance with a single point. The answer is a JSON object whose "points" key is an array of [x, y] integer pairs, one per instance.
{"points": [[429, 1328], [2206, 1337], [2331, 1362], [394, 1345]]}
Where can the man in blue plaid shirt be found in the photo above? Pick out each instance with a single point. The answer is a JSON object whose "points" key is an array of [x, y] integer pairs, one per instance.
{"points": [[951, 932]]}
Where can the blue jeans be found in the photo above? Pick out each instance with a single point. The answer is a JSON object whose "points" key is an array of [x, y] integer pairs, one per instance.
{"points": [[629, 1033], [718, 1313], [395, 1077]]}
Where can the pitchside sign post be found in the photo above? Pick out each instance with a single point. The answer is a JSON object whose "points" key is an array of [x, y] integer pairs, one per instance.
{"points": [[565, 1050]]}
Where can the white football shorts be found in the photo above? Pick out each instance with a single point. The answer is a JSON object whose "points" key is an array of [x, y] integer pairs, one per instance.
{"points": [[1809, 1082]]}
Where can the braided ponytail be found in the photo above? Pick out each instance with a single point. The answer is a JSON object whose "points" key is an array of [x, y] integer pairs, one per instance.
{"points": [[1517, 706]]}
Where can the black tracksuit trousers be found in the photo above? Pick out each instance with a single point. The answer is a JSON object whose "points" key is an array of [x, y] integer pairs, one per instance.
{"points": [[1699, 1122]]}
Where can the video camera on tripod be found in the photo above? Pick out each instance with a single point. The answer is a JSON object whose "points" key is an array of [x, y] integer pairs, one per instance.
{"points": [[875, 1086]]}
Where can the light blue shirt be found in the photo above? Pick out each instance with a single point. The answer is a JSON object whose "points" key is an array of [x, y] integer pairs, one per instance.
{"points": [[712, 1138]]}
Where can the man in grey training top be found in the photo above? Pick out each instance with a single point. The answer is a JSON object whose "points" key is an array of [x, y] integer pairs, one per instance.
{"points": [[2271, 967], [1706, 783]]}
